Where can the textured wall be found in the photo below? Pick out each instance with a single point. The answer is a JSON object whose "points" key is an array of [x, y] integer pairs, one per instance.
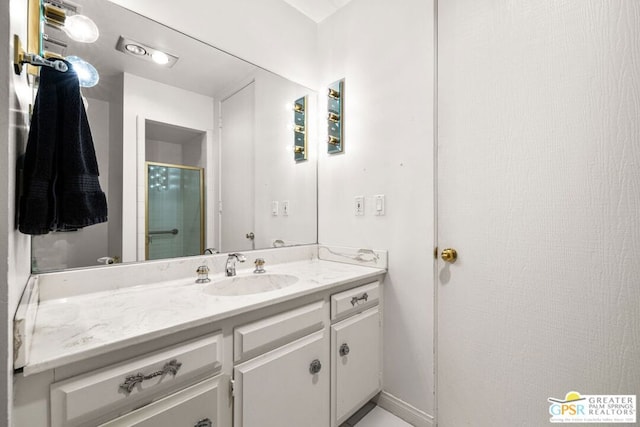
{"points": [[385, 53], [539, 184]]}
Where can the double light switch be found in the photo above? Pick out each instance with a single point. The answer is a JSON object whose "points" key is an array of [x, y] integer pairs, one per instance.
{"points": [[378, 205]]}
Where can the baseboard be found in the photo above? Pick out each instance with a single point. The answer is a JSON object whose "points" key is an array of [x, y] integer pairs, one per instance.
{"points": [[402, 409]]}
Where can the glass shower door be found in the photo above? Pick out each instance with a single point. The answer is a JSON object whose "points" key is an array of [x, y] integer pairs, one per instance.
{"points": [[174, 210]]}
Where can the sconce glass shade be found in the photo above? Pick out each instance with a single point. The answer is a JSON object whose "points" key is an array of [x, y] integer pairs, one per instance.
{"points": [[87, 73], [81, 29]]}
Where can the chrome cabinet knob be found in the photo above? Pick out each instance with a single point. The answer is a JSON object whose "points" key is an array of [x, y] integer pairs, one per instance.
{"points": [[344, 349], [315, 367]]}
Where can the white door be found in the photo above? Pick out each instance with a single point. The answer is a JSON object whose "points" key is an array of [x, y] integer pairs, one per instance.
{"points": [[237, 170], [539, 192], [287, 387]]}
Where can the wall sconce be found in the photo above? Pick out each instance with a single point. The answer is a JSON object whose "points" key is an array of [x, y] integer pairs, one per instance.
{"points": [[64, 16], [335, 105], [300, 129], [54, 15]]}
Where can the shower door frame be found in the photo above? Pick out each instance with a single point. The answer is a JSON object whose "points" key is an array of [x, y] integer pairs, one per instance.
{"points": [[146, 202]]}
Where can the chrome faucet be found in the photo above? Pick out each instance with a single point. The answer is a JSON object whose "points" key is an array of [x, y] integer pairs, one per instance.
{"points": [[230, 268]]}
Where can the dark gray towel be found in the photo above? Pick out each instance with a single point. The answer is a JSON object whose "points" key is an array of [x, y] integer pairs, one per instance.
{"points": [[61, 190]]}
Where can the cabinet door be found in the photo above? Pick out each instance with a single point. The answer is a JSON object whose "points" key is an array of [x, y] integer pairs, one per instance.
{"points": [[287, 387], [196, 406], [356, 358]]}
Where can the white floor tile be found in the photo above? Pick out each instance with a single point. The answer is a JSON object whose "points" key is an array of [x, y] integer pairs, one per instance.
{"points": [[378, 417]]}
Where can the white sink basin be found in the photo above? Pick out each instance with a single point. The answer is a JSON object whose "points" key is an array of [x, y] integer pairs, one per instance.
{"points": [[246, 285]]}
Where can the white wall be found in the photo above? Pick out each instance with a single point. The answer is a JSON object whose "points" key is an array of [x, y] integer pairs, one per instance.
{"points": [[148, 100], [277, 176], [269, 33], [14, 246], [385, 53]]}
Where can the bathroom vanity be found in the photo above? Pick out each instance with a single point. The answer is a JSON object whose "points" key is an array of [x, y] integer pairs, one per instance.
{"points": [[299, 345]]}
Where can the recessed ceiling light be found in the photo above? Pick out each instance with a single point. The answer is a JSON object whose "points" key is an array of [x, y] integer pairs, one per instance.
{"points": [[135, 49], [160, 57], [146, 52]]}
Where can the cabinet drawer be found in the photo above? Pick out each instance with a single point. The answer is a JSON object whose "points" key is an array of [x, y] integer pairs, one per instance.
{"points": [[192, 407], [119, 388], [266, 334], [354, 300]]}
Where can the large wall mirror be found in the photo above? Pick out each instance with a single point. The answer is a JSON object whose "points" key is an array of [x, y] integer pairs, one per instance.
{"points": [[195, 156]]}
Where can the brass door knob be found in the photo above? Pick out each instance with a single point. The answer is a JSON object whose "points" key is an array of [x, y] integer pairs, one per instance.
{"points": [[449, 255]]}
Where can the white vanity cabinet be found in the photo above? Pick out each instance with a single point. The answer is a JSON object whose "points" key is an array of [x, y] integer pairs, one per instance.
{"points": [[304, 362], [355, 350], [288, 385]]}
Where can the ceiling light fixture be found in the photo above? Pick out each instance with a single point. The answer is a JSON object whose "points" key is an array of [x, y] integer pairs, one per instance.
{"points": [[135, 49], [146, 52], [160, 57]]}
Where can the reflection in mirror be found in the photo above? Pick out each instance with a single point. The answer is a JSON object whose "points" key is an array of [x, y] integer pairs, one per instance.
{"points": [[174, 211], [204, 110]]}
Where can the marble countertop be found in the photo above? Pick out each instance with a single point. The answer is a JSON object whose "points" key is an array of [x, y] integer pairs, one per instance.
{"points": [[72, 329]]}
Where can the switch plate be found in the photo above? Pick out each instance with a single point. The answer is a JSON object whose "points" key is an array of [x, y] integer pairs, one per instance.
{"points": [[274, 208], [359, 205], [285, 208], [379, 204]]}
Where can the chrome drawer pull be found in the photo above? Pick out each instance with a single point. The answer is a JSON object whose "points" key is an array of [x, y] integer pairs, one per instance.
{"points": [[204, 423], [356, 300], [131, 381]]}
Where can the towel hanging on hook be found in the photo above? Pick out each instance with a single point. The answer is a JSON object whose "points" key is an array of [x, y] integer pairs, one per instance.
{"points": [[61, 188]]}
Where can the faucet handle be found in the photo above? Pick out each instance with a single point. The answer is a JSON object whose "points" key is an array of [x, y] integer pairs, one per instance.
{"points": [[203, 274], [259, 262]]}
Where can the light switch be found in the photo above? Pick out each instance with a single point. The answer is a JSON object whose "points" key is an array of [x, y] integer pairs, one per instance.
{"points": [[359, 205], [274, 208], [285, 208], [379, 204]]}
